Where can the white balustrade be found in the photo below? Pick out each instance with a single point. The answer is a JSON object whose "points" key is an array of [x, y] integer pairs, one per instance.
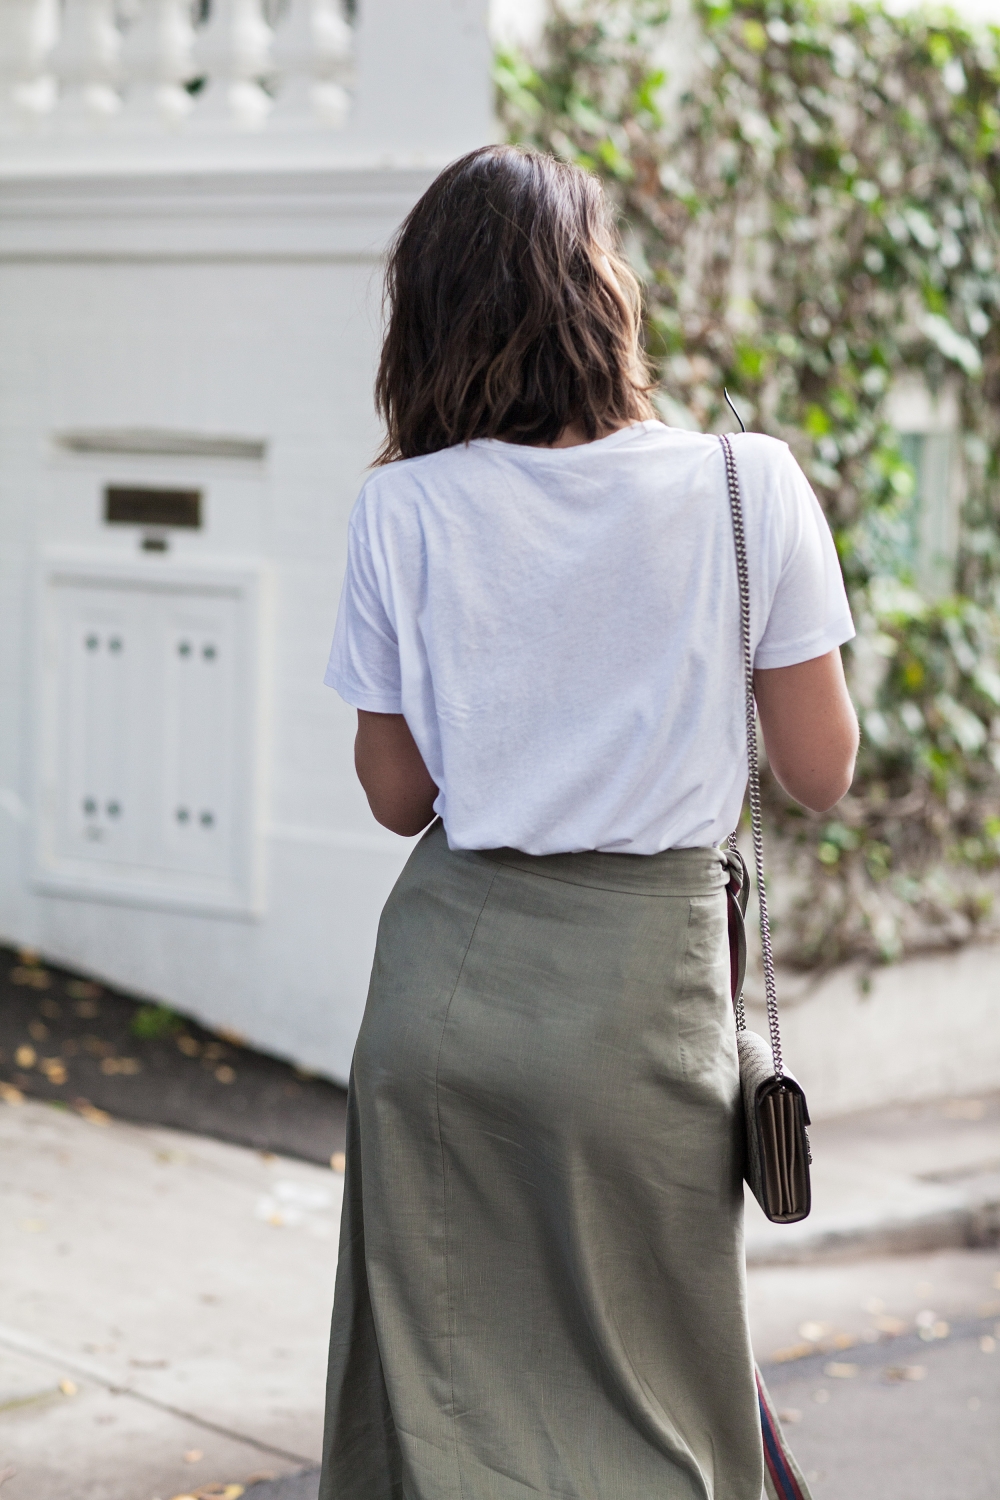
{"points": [[153, 65], [85, 61], [157, 62], [233, 53], [28, 32], [313, 51]]}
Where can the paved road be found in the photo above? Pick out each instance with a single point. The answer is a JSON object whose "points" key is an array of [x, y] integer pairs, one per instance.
{"points": [[863, 1432], [872, 1414], [165, 1302], [881, 1434]]}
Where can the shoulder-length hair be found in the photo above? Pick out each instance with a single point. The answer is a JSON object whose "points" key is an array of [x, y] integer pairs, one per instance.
{"points": [[511, 310]]}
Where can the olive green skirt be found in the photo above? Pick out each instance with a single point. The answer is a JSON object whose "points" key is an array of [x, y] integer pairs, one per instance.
{"points": [[541, 1281]]}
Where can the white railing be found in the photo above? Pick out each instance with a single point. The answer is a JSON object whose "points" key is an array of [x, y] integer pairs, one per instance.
{"points": [[114, 66]]}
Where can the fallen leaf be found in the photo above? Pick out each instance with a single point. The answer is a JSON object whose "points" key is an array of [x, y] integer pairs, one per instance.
{"points": [[791, 1414], [25, 1057], [193, 1456], [33, 1226], [90, 1113], [225, 1074], [964, 1109], [338, 1162], [86, 1009], [840, 1371], [68, 1387], [234, 1038], [10, 1095], [38, 1031], [125, 1065], [36, 979], [54, 1069], [885, 1324], [82, 989], [794, 1351], [930, 1326], [905, 1372], [189, 1046], [987, 1344], [841, 1341]]}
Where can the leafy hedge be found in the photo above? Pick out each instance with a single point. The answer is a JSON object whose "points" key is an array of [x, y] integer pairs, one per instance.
{"points": [[813, 205]]}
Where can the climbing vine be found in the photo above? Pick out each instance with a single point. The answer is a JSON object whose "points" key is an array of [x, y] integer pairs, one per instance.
{"points": [[810, 193]]}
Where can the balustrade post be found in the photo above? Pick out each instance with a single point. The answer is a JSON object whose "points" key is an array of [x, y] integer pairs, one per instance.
{"points": [[233, 51], [85, 62], [29, 30], [312, 51], [157, 61]]}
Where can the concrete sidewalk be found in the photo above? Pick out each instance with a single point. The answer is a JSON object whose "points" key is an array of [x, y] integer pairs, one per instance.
{"points": [[164, 1310], [913, 1177], [165, 1307]]}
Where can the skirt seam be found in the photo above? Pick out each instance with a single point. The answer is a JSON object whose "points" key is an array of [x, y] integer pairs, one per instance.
{"points": [[444, 1175], [684, 984]]}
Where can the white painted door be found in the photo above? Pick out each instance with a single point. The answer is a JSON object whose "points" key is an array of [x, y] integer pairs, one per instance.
{"points": [[149, 735]]}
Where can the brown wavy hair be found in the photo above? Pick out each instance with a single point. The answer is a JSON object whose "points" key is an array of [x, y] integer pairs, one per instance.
{"points": [[511, 310]]}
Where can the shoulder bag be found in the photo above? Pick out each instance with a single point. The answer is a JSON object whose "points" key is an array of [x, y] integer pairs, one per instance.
{"points": [[777, 1145]]}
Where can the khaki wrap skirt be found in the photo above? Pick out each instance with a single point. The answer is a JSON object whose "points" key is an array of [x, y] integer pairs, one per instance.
{"points": [[541, 1285]]}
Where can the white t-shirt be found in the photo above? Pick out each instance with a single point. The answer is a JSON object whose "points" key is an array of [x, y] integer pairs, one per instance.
{"points": [[560, 629]]}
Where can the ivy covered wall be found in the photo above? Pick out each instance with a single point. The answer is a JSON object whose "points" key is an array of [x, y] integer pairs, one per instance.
{"points": [[811, 195]]}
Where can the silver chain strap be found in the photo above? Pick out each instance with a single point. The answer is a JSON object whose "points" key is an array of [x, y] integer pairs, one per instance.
{"points": [[753, 768]]}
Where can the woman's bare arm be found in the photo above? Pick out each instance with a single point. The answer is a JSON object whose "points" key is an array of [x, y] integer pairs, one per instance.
{"points": [[810, 729], [397, 784]]}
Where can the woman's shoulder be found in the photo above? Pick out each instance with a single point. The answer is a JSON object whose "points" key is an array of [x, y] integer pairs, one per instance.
{"points": [[393, 491], [769, 473], [761, 452], [407, 477], [754, 450]]}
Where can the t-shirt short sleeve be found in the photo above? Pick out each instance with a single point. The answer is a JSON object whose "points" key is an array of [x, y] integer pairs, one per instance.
{"points": [[809, 613], [364, 658]]}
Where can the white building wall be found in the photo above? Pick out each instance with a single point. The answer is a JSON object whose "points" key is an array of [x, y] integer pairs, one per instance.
{"points": [[197, 286]]}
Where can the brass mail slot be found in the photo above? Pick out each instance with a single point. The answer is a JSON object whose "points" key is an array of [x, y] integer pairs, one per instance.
{"points": [[134, 506]]}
